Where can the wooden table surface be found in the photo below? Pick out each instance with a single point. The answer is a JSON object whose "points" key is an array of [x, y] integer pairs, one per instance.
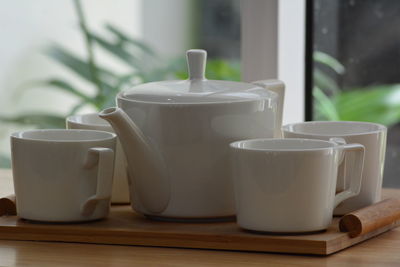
{"points": [[383, 250]]}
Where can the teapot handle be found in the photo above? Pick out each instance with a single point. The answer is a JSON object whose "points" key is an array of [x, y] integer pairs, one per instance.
{"points": [[278, 87]]}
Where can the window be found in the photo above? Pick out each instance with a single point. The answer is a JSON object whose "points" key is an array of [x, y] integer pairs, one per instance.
{"points": [[350, 46], [355, 75]]}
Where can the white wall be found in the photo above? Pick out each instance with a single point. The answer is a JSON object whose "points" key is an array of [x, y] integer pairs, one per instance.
{"points": [[259, 44], [273, 43], [27, 27], [291, 57], [169, 25]]}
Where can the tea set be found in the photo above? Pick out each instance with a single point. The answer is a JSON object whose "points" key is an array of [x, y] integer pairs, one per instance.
{"points": [[200, 150]]}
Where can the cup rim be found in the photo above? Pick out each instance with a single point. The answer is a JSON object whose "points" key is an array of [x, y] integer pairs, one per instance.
{"points": [[237, 145], [73, 119], [380, 128], [20, 136]]}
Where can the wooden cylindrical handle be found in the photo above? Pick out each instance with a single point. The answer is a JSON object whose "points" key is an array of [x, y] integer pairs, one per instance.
{"points": [[7, 205], [371, 218]]}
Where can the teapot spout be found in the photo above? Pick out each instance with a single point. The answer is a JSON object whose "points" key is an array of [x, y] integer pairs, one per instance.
{"points": [[145, 164]]}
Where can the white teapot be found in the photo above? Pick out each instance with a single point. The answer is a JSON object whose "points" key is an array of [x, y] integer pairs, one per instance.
{"points": [[176, 136]]}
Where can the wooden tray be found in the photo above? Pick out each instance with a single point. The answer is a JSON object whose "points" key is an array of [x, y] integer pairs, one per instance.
{"points": [[124, 227]]}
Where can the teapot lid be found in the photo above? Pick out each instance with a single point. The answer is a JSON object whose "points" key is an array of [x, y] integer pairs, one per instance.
{"points": [[196, 89]]}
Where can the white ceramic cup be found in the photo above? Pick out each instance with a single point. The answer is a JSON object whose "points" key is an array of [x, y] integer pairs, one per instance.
{"points": [[288, 185], [63, 175], [371, 135], [92, 121]]}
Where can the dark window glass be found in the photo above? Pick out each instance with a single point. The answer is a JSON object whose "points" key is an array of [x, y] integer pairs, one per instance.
{"points": [[356, 58]]}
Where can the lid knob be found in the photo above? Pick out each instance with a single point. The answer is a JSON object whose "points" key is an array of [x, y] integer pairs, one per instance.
{"points": [[196, 59]]}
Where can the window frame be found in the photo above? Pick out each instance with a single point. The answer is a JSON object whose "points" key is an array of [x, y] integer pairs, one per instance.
{"points": [[269, 29]]}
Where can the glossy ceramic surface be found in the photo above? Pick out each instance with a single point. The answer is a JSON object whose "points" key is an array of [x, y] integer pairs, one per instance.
{"points": [[288, 185], [176, 138], [92, 121], [371, 135], [63, 175], [196, 89]]}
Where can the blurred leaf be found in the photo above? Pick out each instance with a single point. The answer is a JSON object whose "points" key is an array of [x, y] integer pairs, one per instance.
{"points": [[126, 79], [118, 51], [77, 107], [329, 61], [181, 75], [39, 120], [380, 104], [156, 74], [325, 107], [5, 162], [64, 86], [125, 38], [223, 70], [110, 102], [217, 69], [178, 67], [91, 61], [324, 82], [79, 66]]}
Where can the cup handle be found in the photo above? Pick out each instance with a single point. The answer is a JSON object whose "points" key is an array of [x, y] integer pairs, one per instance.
{"points": [[104, 158], [354, 176], [341, 179]]}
